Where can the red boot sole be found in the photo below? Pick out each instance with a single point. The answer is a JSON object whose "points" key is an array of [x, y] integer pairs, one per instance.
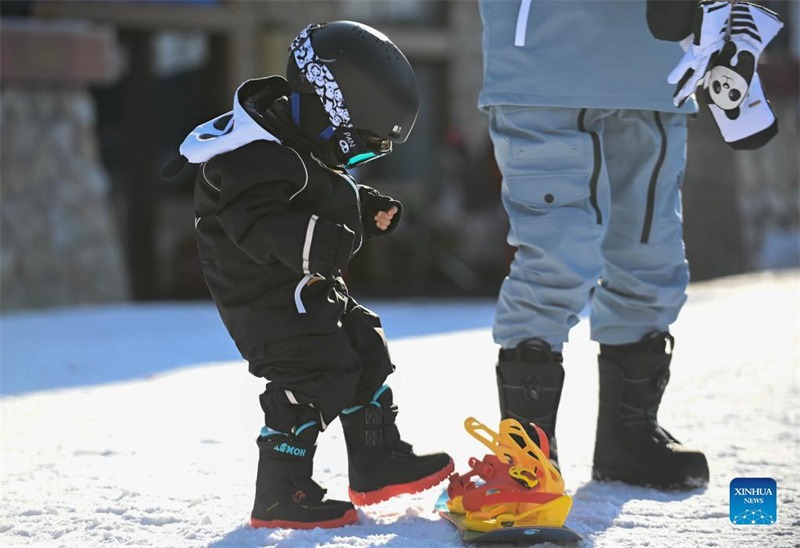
{"points": [[385, 493], [349, 518]]}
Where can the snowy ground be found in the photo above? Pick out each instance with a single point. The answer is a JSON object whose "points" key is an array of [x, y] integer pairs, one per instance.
{"points": [[135, 425]]}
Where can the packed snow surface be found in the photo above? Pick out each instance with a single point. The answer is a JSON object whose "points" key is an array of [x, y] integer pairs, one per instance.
{"points": [[135, 425]]}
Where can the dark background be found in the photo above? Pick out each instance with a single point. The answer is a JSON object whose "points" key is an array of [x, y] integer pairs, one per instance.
{"points": [[174, 65]]}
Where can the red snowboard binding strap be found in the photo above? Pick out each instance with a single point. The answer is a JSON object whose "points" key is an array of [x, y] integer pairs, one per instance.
{"points": [[515, 486], [501, 483]]}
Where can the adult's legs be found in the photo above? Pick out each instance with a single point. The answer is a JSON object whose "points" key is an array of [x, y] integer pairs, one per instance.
{"points": [[640, 294], [555, 191], [644, 279]]}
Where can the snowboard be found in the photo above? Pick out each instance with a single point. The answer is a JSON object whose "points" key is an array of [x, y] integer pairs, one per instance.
{"points": [[513, 535]]}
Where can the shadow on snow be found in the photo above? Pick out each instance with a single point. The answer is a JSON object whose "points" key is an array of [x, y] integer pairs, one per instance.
{"points": [[407, 530], [597, 505], [81, 346]]}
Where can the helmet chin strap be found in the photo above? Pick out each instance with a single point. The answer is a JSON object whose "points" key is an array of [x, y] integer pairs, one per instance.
{"points": [[295, 101], [280, 121], [340, 147], [309, 116]]}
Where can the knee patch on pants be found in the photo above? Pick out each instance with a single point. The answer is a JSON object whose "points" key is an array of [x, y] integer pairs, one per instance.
{"points": [[313, 378], [366, 336]]}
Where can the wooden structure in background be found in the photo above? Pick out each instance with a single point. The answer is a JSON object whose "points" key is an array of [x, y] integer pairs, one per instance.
{"points": [[240, 34], [244, 32]]}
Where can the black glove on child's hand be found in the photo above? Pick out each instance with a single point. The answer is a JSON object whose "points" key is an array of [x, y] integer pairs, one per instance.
{"points": [[373, 202]]}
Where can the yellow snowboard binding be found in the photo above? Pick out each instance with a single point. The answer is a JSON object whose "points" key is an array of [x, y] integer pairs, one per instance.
{"points": [[518, 487]]}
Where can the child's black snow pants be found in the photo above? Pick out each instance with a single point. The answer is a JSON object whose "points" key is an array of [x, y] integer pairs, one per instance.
{"points": [[314, 377]]}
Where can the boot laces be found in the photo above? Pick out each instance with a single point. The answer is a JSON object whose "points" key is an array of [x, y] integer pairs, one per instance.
{"points": [[646, 420], [639, 418], [646, 416]]}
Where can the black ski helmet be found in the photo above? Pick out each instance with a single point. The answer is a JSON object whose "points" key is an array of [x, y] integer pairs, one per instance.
{"points": [[364, 84]]}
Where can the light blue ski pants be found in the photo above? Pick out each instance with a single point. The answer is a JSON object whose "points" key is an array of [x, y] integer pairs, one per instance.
{"points": [[593, 199]]}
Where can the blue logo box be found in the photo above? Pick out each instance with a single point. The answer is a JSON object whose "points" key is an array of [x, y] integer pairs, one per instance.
{"points": [[754, 501]]}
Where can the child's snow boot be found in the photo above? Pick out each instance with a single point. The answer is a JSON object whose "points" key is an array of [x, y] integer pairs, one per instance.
{"points": [[286, 496], [529, 380], [381, 465], [630, 445], [518, 487]]}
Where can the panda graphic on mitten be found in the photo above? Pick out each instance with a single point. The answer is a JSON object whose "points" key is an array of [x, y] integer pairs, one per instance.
{"points": [[729, 80]]}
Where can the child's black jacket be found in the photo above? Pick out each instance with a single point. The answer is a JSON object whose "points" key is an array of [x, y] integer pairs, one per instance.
{"points": [[268, 218]]}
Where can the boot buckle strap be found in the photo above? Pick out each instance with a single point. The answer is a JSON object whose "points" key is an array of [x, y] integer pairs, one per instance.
{"points": [[380, 415], [373, 416], [373, 438], [403, 447], [387, 435]]}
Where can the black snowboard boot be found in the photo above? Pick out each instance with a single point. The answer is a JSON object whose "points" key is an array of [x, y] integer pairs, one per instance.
{"points": [[286, 496], [529, 380], [381, 465], [631, 446]]}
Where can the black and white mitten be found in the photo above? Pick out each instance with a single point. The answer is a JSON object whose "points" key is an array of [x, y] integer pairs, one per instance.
{"points": [[724, 50], [732, 87]]}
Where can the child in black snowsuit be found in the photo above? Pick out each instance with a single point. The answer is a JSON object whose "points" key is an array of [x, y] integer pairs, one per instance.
{"points": [[277, 218]]}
